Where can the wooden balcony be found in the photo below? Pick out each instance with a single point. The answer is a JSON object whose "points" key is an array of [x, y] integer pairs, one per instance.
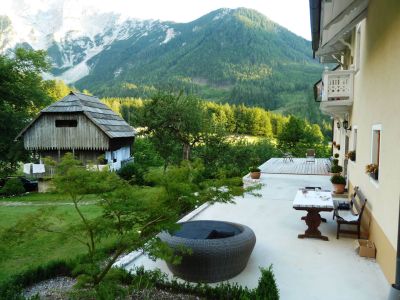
{"points": [[336, 92]]}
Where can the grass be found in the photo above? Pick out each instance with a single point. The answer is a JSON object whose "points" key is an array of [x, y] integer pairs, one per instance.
{"points": [[44, 198], [44, 246]]}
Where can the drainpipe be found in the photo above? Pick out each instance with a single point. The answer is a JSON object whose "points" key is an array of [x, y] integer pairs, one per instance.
{"points": [[395, 289]]}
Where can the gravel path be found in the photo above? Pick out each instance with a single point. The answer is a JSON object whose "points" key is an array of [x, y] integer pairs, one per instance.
{"points": [[161, 295], [54, 289], [58, 288]]}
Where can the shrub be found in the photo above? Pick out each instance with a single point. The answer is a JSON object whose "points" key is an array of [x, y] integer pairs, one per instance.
{"points": [[13, 187], [128, 172], [254, 169], [336, 155], [336, 169], [338, 179], [267, 288], [335, 161], [12, 289]]}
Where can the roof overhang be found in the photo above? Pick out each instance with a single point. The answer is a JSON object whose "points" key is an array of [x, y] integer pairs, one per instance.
{"points": [[332, 23]]}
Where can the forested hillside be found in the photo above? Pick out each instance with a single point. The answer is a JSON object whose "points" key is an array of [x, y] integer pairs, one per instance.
{"points": [[235, 56]]}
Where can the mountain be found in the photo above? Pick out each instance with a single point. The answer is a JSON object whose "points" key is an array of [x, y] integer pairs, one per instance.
{"points": [[228, 55]]}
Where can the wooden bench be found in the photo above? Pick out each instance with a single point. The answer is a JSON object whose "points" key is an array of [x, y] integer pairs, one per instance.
{"points": [[357, 206]]}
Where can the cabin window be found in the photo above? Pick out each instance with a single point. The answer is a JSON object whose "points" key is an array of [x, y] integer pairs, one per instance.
{"points": [[66, 123]]}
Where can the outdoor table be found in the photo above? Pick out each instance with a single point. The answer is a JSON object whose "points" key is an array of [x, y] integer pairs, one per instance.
{"points": [[313, 202]]}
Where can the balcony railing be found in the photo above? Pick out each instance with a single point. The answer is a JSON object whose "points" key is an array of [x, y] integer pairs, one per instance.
{"points": [[335, 92], [335, 85]]}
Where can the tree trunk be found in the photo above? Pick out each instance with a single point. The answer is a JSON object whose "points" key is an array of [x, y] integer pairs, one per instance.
{"points": [[186, 151]]}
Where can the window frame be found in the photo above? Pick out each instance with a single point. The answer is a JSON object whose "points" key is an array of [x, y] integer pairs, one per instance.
{"points": [[377, 152]]}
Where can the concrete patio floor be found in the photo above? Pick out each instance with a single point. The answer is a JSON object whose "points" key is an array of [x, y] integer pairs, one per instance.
{"points": [[304, 268]]}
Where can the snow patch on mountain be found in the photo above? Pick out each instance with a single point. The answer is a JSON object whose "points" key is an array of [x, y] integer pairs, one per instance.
{"points": [[222, 14], [169, 35], [117, 72], [75, 73]]}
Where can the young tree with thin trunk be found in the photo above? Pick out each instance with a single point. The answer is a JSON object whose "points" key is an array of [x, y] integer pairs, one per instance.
{"points": [[175, 119]]}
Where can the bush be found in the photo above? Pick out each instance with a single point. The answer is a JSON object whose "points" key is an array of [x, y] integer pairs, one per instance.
{"points": [[12, 289], [13, 187], [336, 155], [224, 159], [336, 169], [267, 288], [254, 169], [338, 179], [128, 172], [335, 161]]}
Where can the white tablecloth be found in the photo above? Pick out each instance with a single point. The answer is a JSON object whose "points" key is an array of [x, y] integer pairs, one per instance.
{"points": [[313, 199]]}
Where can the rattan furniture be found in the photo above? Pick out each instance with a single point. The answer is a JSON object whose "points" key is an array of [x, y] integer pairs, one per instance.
{"points": [[219, 250]]}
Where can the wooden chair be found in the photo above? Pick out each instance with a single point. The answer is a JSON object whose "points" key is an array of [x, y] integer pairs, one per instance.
{"points": [[286, 156], [357, 206], [310, 155]]}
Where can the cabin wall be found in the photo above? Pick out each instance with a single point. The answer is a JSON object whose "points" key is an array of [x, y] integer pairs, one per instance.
{"points": [[116, 157], [44, 134]]}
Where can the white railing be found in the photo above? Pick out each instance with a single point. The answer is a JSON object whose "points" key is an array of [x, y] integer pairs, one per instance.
{"points": [[337, 85]]}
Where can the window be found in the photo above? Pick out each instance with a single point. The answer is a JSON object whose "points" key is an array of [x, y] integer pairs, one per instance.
{"points": [[376, 149], [66, 123]]}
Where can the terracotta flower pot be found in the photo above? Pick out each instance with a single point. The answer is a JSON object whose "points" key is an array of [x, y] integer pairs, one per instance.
{"points": [[255, 175], [339, 188]]}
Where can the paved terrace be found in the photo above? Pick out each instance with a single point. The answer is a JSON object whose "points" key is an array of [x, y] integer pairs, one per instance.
{"points": [[304, 268]]}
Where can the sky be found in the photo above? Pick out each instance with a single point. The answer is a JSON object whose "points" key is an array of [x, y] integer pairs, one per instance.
{"points": [[292, 14]]}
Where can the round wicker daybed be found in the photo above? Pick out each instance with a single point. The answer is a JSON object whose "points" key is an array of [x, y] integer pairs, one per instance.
{"points": [[220, 250]]}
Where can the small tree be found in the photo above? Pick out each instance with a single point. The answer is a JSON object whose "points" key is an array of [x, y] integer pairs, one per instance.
{"points": [[175, 119], [130, 216]]}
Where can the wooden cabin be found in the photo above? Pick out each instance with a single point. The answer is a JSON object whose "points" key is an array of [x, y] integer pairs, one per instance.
{"points": [[83, 125]]}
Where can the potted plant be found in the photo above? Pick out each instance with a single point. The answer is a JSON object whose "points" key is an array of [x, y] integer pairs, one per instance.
{"points": [[336, 170], [339, 183], [255, 173], [351, 155], [335, 160], [372, 170]]}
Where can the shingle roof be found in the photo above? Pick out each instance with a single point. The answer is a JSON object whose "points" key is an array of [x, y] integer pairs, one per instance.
{"points": [[99, 113]]}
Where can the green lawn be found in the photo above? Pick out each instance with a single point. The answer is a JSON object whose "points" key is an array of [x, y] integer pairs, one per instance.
{"points": [[44, 197], [44, 247]]}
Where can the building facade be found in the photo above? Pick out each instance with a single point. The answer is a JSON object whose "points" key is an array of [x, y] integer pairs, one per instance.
{"points": [[83, 125], [363, 98]]}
